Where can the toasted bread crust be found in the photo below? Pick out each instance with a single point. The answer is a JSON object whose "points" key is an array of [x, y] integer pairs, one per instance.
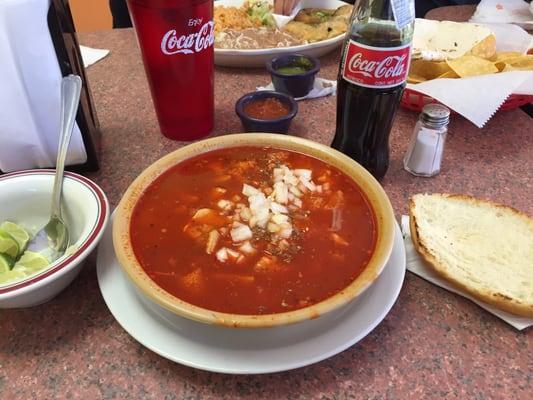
{"points": [[498, 300]]}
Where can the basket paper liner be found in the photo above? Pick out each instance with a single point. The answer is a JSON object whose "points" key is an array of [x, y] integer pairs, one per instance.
{"points": [[477, 98], [417, 265]]}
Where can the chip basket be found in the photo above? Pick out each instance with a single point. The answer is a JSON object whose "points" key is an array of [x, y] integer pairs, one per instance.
{"points": [[415, 101]]}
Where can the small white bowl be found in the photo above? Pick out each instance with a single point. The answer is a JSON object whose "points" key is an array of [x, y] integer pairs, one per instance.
{"points": [[25, 199]]}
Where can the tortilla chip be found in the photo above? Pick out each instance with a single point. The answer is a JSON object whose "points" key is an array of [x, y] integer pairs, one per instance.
{"points": [[415, 79], [524, 63], [500, 65], [508, 68], [428, 69], [520, 63], [471, 66], [449, 74], [485, 49], [507, 55], [514, 67]]}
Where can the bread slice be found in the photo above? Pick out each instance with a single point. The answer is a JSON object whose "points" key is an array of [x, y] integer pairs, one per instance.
{"points": [[447, 40], [484, 248]]}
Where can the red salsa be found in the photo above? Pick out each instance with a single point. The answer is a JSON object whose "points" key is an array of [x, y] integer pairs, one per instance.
{"points": [[253, 230], [266, 109]]}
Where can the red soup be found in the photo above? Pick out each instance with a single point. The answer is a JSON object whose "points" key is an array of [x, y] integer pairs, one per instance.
{"points": [[252, 230]]}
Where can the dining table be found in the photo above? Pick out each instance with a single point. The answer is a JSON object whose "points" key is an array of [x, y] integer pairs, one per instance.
{"points": [[432, 344]]}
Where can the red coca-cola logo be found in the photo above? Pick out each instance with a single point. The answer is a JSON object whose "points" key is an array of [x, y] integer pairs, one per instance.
{"points": [[195, 42], [379, 67]]}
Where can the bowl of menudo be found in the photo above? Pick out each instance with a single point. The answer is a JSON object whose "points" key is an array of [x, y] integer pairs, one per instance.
{"points": [[253, 230]]}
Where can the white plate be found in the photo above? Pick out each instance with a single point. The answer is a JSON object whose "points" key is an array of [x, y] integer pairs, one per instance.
{"points": [[246, 351], [258, 58]]}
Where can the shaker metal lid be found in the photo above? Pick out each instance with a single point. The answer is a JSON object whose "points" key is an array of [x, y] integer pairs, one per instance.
{"points": [[436, 114]]}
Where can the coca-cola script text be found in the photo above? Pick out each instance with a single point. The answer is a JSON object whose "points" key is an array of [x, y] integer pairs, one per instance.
{"points": [[188, 44], [377, 67]]}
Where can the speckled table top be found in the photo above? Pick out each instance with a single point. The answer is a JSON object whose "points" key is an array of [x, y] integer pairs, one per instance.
{"points": [[433, 344]]}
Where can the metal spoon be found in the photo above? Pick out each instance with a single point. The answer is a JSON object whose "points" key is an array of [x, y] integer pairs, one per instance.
{"points": [[54, 235]]}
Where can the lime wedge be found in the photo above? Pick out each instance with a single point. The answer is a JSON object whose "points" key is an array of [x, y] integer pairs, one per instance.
{"points": [[18, 233], [31, 261], [8, 245], [6, 263], [11, 276]]}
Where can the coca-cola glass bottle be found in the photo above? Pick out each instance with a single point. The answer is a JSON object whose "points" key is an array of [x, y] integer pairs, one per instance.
{"points": [[176, 39], [372, 75]]}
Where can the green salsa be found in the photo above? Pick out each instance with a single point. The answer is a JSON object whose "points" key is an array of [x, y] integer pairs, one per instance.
{"points": [[298, 66], [292, 70]]}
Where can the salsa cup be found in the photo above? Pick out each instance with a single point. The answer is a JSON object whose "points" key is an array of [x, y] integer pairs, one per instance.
{"points": [[384, 219], [274, 125], [296, 84]]}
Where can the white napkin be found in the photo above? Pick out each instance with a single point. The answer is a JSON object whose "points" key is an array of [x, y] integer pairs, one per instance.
{"points": [[321, 88], [477, 98], [90, 55], [508, 11], [30, 91], [416, 265]]}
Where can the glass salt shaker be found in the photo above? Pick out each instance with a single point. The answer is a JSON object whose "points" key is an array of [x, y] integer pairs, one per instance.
{"points": [[424, 154]]}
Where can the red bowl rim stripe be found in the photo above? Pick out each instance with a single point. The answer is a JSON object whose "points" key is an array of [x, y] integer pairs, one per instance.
{"points": [[102, 215]]}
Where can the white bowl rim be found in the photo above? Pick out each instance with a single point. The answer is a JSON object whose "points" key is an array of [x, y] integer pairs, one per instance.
{"points": [[84, 248]]}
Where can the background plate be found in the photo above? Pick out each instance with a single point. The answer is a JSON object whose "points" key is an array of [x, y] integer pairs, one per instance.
{"points": [[246, 351], [258, 58]]}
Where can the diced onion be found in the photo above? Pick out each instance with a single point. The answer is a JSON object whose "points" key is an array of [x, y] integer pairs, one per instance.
{"points": [[303, 173], [249, 190], [278, 208], [247, 248], [233, 254], [294, 190], [280, 219], [282, 193], [290, 179], [246, 214], [272, 227], [258, 201], [240, 232], [202, 213], [224, 204], [309, 185], [286, 231], [222, 255], [267, 207], [212, 241], [261, 217]]}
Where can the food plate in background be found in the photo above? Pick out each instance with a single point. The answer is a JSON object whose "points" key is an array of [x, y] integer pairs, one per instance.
{"points": [[246, 351], [258, 58]]}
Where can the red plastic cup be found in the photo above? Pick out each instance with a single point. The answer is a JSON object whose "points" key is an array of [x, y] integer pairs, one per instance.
{"points": [[176, 39]]}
